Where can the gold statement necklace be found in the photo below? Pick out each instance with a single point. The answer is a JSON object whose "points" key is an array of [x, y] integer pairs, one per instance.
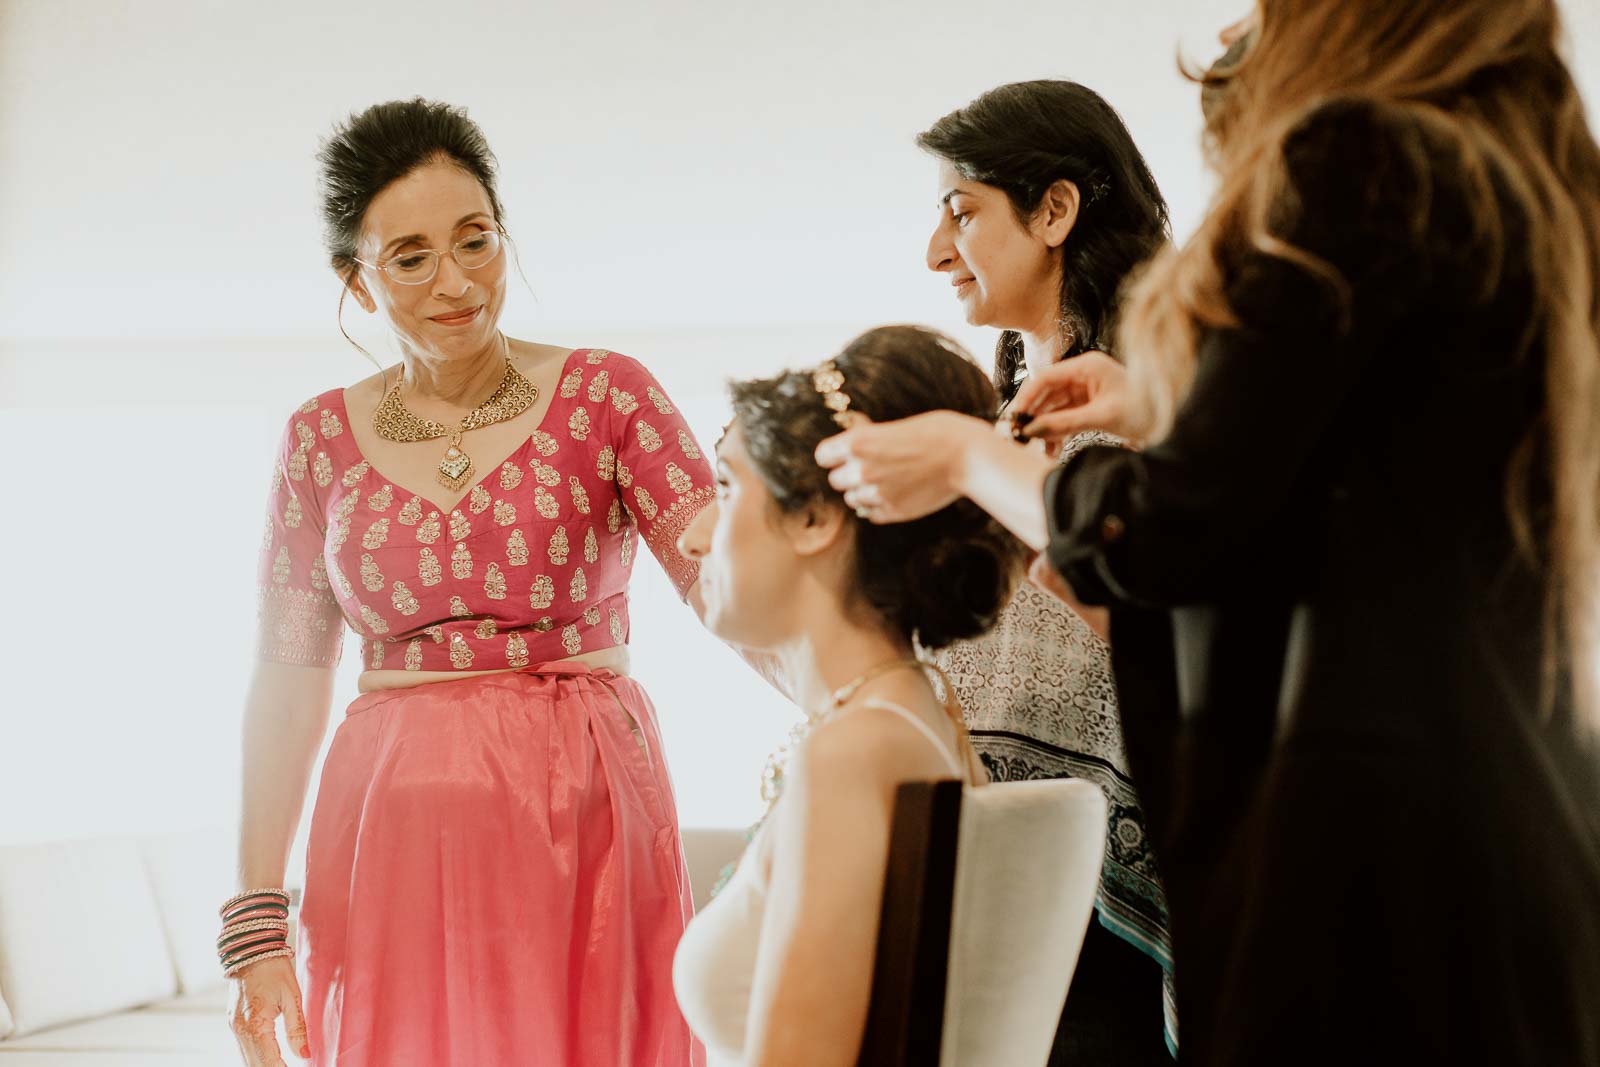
{"points": [[393, 421]]}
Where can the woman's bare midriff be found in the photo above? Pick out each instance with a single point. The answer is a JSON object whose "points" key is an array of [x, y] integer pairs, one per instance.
{"points": [[613, 659]]}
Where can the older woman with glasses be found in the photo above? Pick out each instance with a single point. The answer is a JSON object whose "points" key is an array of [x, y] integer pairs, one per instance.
{"points": [[494, 872]]}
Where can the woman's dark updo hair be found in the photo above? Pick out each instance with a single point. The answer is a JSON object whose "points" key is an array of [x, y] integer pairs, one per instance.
{"points": [[1022, 138], [937, 579], [370, 151]]}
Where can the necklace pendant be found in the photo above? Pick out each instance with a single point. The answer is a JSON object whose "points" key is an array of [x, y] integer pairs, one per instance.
{"points": [[455, 469]]}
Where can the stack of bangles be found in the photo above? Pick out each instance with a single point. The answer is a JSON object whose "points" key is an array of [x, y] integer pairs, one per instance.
{"points": [[255, 927]]}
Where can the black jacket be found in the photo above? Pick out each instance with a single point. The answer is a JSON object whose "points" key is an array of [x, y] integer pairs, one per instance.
{"points": [[1379, 845]]}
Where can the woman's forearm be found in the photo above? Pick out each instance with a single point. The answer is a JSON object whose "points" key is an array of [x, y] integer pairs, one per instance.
{"points": [[286, 716], [1007, 481]]}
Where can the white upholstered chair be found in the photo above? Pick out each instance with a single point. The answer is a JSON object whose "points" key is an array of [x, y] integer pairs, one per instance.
{"points": [[988, 893]]}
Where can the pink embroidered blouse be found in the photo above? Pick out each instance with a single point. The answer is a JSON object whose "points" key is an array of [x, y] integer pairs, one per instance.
{"points": [[532, 565]]}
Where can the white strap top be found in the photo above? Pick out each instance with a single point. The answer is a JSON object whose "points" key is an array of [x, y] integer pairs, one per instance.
{"points": [[715, 966]]}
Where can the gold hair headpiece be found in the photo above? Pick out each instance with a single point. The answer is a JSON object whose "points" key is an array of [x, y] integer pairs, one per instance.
{"points": [[828, 380]]}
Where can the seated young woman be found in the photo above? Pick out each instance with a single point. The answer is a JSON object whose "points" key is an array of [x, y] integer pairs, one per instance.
{"points": [[778, 968]]}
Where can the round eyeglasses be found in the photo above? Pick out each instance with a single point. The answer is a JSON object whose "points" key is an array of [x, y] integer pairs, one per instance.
{"points": [[419, 267]]}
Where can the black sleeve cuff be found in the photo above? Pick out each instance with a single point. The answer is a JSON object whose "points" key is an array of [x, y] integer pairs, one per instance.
{"points": [[1084, 523]]}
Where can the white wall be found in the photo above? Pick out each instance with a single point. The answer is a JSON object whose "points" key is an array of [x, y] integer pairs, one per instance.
{"points": [[720, 188]]}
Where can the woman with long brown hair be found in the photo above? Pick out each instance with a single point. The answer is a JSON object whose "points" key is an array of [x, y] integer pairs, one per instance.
{"points": [[1368, 517]]}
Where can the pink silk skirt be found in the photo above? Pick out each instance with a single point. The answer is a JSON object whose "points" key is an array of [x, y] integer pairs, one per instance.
{"points": [[494, 877]]}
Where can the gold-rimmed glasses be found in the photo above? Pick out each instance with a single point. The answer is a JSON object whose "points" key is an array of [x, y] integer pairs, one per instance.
{"points": [[418, 267]]}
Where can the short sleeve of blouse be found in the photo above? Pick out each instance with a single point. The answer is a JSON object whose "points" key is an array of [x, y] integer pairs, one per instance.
{"points": [[298, 619], [662, 473]]}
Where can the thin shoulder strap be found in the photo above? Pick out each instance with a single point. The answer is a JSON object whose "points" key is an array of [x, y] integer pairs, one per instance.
{"points": [[937, 742]]}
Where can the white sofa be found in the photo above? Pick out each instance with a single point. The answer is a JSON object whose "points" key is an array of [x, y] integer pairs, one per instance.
{"points": [[107, 952]]}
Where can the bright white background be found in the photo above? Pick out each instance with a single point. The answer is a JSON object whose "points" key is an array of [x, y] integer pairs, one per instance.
{"points": [[719, 189]]}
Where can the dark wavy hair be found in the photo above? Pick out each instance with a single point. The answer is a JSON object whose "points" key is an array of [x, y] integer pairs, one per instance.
{"points": [[937, 579], [1022, 138]]}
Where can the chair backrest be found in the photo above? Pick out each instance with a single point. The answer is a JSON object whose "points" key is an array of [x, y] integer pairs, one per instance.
{"points": [[986, 898]]}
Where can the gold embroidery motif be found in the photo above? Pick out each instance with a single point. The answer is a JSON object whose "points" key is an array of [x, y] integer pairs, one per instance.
{"points": [[659, 400], [591, 616], [460, 654], [340, 582], [460, 527], [436, 632], [616, 627], [580, 496], [646, 503], [510, 475], [547, 475], [545, 504], [669, 527], [505, 513], [516, 651], [322, 470], [625, 402], [266, 532], [624, 475], [331, 426], [572, 383], [544, 625], [297, 466], [461, 562], [309, 406], [376, 662], [606, 466], [370, 576], [627, 548], [277, 479], [373, 620], [559, 546], [303, 434], [404, 602], [414, 655], [411, 513], [486, 629], [376, 534], [543, 594], [478, 500], [298, 627], [428, 568], [598, 386], [544, 443], [319, 573], [517, 549], [614, 516], [578, 423], [280, 566], [292, 513], [597, 356], [570, 640], [429, 531], [494, 583], [591, 546], [579, 589], [678, 479], [355, 474], [381, 500], [690, 449], [458, 607], [649, 440]]}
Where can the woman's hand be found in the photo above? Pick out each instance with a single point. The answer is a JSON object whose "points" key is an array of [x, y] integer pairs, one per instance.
{"points": [[261, 993], [902, 470], [1087, 392]]}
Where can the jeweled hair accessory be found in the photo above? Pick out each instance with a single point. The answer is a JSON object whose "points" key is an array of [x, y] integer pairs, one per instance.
{"points": [[828, 380]]}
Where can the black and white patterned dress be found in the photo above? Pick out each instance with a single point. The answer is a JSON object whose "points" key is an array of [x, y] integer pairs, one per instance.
{"points": [[1040, 701]]}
